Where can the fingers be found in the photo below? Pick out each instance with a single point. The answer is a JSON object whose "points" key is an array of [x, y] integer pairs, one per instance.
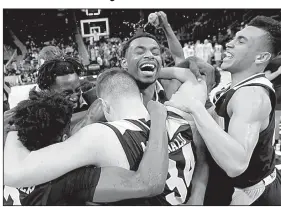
{"points": [[176, 105]]}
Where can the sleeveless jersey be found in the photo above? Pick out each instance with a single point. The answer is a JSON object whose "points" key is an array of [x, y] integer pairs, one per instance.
{"points": [[262, 160], [19, 196], [181, 157], [73, 188]]}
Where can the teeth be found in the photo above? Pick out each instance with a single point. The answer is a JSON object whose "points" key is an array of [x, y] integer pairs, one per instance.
{"points": [[148, 65], [228, 55]]}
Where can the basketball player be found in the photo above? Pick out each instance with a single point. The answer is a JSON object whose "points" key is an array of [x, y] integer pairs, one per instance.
{"points": [[142, 59], [199, 52], [241, 147], [123, 102], [185, 50], [207, 51], [45, 120]]}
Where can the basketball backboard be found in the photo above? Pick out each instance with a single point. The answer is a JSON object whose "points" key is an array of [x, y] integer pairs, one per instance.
{"points": [[89, 26]]}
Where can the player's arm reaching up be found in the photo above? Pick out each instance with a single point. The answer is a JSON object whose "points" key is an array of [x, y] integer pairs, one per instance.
{"points": [[173, 42]]}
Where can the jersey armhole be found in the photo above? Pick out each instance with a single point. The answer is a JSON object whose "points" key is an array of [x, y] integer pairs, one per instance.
{"points": [[122, 141]]}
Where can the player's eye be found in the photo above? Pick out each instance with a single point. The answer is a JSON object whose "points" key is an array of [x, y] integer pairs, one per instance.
{"points": [[139, 50]]}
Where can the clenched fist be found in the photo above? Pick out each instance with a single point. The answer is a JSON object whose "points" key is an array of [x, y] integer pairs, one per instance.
{"points": [[189, 94]]}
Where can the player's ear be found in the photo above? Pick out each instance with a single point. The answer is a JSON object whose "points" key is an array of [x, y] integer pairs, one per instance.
{"points": [[263, 57], [124, 63], [105, 106], [64, 137]]}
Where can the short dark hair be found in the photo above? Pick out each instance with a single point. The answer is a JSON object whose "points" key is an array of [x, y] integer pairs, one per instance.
{"points": [[116, 82], [273, 28], [42, 119], [126, 45], [50, 70]]}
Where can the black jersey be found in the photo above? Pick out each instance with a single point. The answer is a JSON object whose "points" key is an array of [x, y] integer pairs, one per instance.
{"points": [[73, 188], [134, 134], [262, 161]]}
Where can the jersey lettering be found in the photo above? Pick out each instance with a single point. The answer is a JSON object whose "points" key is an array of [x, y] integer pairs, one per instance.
{"points": [[176, 183], [13, 193]]}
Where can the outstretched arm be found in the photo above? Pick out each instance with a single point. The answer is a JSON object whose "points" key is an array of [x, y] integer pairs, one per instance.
{"points": [[173, 42], [181, 74], [84, 148]]}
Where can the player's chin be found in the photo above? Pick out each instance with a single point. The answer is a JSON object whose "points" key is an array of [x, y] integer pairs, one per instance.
{"points": [[224, 66], [148, 80]]}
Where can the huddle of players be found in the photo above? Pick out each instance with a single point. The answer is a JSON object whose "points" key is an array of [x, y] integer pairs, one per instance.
{"points": [[185, 147]]}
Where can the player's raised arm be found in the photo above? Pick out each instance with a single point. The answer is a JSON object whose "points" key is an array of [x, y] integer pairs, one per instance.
{"points": [[181, 74], [40, 166], [173, 42]]}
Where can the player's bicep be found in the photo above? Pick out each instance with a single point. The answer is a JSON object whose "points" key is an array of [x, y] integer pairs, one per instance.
{"points": [[174, 73], [117, 184], [244, 132], [250, 109]]}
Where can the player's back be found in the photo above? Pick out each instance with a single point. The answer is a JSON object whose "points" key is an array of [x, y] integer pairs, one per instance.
{"points": [[133, 135]]}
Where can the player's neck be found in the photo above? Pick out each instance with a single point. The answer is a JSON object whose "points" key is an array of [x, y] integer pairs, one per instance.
{"points": [[131, 109], [240, 76], [148, 93]]}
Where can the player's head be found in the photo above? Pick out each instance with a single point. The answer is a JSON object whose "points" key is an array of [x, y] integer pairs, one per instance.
{"points": [[116, 88], [61, 75], [49, 53], [254, 46], [43, 120], [142, 59]]}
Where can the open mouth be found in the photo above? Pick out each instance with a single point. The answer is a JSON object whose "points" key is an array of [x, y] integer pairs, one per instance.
{"points": [[148, 67], [228, 55]]}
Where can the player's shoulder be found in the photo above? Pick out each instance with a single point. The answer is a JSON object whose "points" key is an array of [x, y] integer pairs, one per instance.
{"points": [[253, 99], [96, 131], [252, 94]]}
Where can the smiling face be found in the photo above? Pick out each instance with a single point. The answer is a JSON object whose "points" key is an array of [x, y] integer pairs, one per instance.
{"points": [[144, 60], [69, 85], [243, 51]]}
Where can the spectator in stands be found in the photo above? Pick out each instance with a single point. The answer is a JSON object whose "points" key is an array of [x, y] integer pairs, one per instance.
{"points": [[185, 50], [7, 91]]}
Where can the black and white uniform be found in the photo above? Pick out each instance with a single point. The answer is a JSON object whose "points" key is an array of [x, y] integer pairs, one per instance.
{"points": [[262, 164]]}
